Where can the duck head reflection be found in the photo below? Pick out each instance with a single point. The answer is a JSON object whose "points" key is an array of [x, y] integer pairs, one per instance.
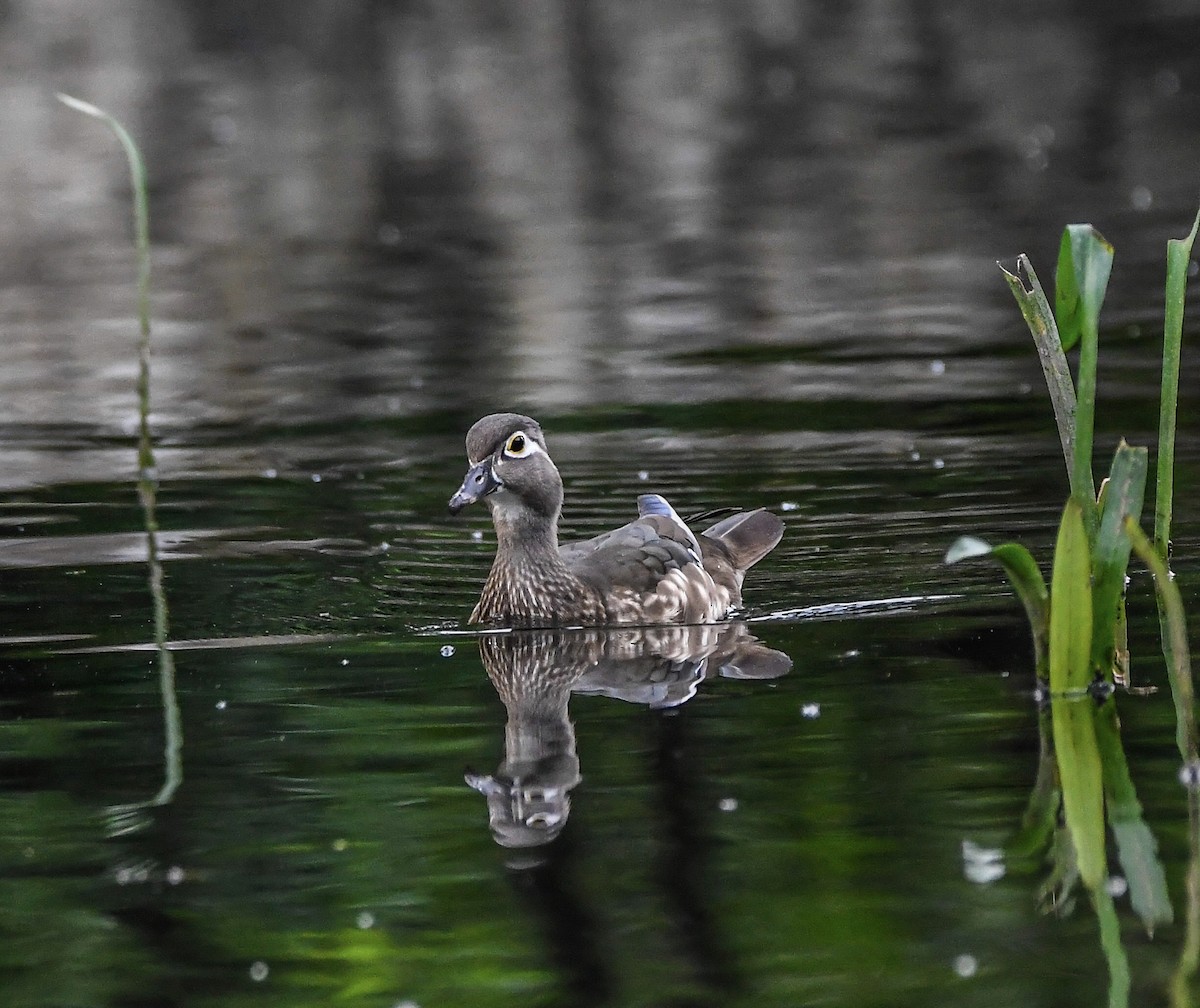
{"points": [[536, 671]]}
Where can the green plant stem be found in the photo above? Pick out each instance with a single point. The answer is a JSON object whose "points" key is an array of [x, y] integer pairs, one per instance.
{"points": [[147, 471], [1176, 652], [1179, 251]]}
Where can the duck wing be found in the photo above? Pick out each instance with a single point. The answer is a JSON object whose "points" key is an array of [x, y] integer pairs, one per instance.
{"points": [[650, 570]]}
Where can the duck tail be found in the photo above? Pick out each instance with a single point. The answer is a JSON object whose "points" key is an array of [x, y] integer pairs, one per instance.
{"points": [[748, 536]]}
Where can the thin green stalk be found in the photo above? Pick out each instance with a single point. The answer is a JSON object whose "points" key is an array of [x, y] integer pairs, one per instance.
{"points": [[1179, 252], [147, 471], [1176, 651]]}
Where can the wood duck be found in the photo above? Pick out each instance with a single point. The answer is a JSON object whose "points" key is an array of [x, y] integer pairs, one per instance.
{"points": [[653, 570]]}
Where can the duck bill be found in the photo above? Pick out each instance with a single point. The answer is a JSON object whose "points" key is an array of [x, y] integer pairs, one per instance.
{"points": [[479, 482]]}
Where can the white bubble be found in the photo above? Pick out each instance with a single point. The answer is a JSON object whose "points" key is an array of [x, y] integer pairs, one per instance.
{"points": [[982, 865], [788, 506], [810, 710], [345, 662], [365, 920], [1189, 776], [340, 844], [914, 456], [1140, 198], [643, 475], [939, 463], [477, 535], [175, 875], [1117, 886], [269, 473], [937, 367], [259, 970], [447, 650], [965, 965], [220, 705], [316, 477], [728, 804]]}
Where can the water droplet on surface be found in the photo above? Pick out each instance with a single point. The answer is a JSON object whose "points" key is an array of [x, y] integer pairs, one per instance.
{"points": [[982, 865], [259, 971], [447, 650], [1189, 776]]}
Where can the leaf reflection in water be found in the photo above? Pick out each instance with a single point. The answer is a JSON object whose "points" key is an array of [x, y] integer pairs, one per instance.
{"points": [[536, 671]]}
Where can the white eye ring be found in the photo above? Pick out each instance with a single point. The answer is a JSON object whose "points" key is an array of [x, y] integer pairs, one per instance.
{"points": [[520, 445]]}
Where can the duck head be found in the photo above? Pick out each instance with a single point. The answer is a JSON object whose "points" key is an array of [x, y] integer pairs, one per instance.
{"points": [[510, 470]]}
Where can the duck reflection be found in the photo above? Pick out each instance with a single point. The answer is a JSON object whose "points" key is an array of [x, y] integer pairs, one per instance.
{"points": [[536, 671]]}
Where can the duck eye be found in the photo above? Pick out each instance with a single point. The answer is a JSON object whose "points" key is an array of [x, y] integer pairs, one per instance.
{"points": [[519, 446]]}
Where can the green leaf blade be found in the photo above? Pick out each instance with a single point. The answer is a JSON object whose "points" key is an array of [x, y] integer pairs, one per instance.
{"points": [[1123, 496], [1078, 756], [1071, 605], [1026, 580], [1084, 263]]}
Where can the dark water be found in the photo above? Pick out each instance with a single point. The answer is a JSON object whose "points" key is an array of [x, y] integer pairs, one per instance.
{"points": [[736, 255]]}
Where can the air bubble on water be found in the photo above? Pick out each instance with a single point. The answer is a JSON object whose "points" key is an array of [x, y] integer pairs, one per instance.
{"points": [[316, 477], [937, 367], [269, 473], [1189, 775], [939, 463], [447, 651], [220, 705], [1117, 886], [259, 971], [982, 865], [643, 475], [810, 710], [788, 506], [365, 920], [345, 662], [340, 844], [1140, 198], [477, 535], [965, 965], [728, 804], [175, 875]]}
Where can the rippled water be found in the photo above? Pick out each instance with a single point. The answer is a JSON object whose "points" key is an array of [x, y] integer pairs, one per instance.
{"points": [[771, 284]]}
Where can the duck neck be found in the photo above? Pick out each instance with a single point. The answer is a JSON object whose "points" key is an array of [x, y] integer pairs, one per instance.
{"points": [[526, 538]]}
